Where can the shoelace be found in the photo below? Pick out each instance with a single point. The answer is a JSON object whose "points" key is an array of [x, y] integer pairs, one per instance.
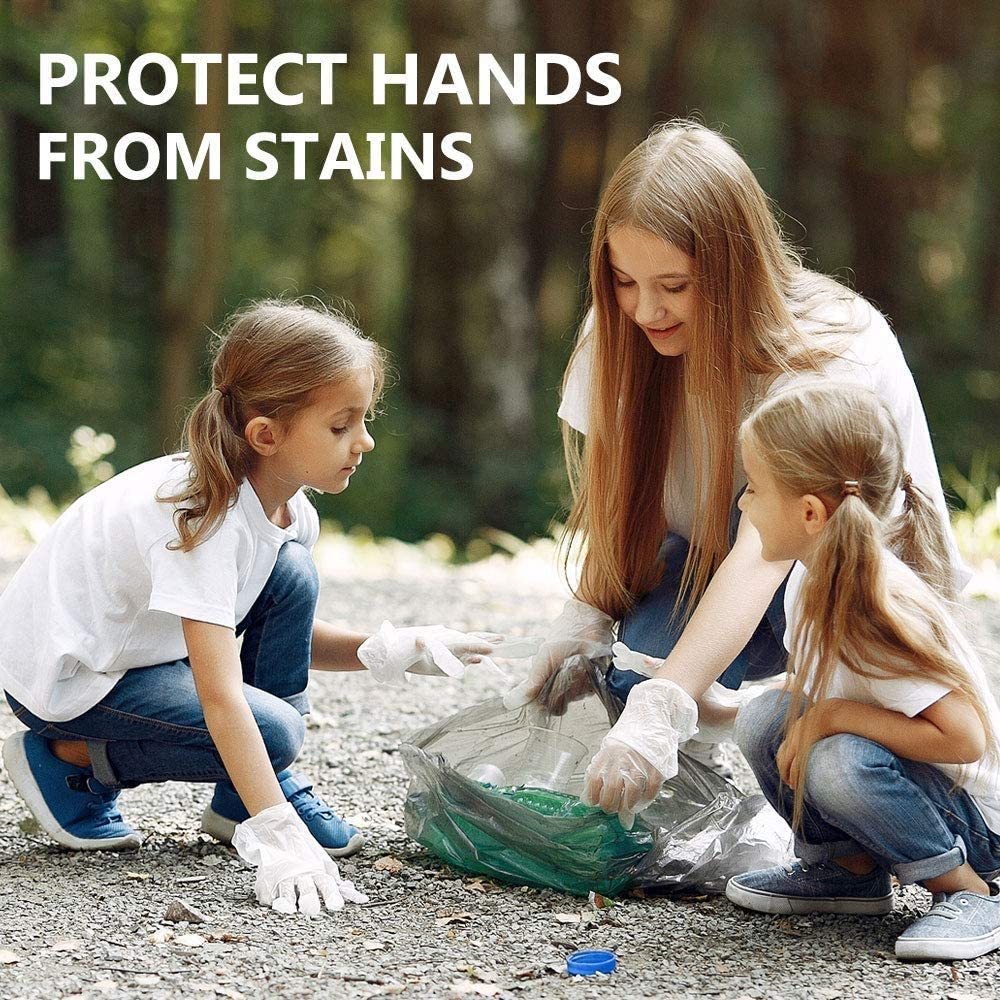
{"points": [[945, 909], [308, 805]]}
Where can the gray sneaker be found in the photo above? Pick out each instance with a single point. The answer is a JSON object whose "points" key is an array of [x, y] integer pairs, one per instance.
{"points": [[818, 888], [959, 925]]}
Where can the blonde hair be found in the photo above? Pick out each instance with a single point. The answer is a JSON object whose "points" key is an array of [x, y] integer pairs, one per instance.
{"points": [[687, 185], [839, 442], [269, 358]]}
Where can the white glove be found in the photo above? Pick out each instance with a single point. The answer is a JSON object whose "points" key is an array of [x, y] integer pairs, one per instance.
{"points": [[293, 871], [640, 751], [434, 650], [559, 672]]}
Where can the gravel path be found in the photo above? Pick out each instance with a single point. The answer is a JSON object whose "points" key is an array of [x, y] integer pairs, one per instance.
{"points": [[89, 925]]}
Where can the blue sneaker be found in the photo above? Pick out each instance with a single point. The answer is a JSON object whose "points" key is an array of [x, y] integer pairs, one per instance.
{"points": [[959, 925], [818, 888], [73, 808], [338, 838]]}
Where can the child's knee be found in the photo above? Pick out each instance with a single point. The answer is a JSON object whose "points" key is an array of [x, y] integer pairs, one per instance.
{"points": [[295, 564], [283, 730], [758, 723]]}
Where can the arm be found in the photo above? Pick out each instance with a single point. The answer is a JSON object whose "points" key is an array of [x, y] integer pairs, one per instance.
{"points": [[727, 614], [947, 732], [335, 648], [218, 680]]}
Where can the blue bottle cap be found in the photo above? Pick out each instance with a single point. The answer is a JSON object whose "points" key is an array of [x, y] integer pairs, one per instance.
{"points": [[588, 963]]}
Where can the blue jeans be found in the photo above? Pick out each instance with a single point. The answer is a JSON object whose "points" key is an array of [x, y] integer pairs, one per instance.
{"points": [[859, 796], [151, 727], [651, 628]]}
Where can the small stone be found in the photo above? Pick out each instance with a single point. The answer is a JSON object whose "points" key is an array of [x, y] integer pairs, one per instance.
{"points": [[8, 957], [388, 864], [190, 940], [181, 909], [161, 935]]}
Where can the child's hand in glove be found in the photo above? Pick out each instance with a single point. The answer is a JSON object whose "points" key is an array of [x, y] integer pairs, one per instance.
{"points": [[293, 871], [393, 652], [640, 751]]}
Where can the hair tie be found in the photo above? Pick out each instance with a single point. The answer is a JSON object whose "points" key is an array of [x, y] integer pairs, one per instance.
{"points": [[907, 482], [851, 488], [222, 390]]}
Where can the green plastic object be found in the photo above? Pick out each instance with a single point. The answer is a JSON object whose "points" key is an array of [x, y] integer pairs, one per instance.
{"points": [[524, 835]]}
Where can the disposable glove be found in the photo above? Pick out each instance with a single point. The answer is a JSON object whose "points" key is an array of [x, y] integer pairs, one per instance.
{"points": [[293, 871], [560, 669], [434, 650], [640, 751]]}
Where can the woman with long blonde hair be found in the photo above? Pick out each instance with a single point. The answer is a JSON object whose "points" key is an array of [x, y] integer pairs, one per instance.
{"points": [[699, 309], [881, 751]]}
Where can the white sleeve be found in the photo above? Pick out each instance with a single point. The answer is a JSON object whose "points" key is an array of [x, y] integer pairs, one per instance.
{"points": [[905, 694], [575, 402], [200, 584]]}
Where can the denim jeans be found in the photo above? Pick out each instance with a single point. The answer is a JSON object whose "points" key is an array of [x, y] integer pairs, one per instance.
{"points": [[151, 727], [859, 796], [651, 628]]}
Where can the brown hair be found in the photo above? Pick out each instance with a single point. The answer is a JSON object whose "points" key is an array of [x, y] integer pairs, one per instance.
{"points": [[268, 359], [687, 185], [814, 439]]}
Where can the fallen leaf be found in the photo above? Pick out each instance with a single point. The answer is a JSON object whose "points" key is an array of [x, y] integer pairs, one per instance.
{"points": [[138, 876], [452, 918], [190, 940], [529, 972], [388, 864], [567, 918], [9, 957]]}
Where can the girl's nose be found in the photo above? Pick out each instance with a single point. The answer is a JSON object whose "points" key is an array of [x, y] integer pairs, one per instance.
{"points": [[649, 310], [366, 443]]}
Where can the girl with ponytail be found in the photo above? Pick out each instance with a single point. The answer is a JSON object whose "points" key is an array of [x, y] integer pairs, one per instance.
{"points": [[881, 749], [118, 635]]}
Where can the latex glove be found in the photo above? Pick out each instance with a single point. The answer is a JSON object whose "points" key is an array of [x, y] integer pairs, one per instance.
{"points": [[560, 669], [640, 751], [293, 871], [434, 650]]}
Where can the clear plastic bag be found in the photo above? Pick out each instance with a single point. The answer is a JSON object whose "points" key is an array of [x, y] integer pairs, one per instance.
{"points": [[495, 792]]}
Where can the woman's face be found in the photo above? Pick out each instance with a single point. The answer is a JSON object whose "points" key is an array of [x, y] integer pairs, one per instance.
{"points": [[654, 287]]}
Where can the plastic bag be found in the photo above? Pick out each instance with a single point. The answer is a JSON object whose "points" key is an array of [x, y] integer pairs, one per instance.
{"points": [[495, 792]]}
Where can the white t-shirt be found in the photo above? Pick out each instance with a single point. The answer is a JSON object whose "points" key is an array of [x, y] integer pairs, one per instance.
{"points": [[909, 695], [101, 593], [873, 358]]}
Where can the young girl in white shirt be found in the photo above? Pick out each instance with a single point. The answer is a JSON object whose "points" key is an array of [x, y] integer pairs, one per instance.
{"points": [[881, 748], [118, 635]]}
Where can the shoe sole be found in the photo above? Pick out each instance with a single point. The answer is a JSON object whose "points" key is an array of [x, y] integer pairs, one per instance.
{"points": [[945, 949], [15, 760], [222, 830], [772, 902]]}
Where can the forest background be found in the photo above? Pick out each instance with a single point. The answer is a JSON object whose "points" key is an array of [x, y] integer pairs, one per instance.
{"points": [[874, 126]]}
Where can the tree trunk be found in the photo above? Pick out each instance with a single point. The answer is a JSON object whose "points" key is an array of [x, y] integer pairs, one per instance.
{"points": [[187, 312]]}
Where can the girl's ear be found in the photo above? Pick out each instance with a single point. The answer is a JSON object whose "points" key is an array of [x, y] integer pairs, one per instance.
{"points": [[262, 434], [814, 515]]}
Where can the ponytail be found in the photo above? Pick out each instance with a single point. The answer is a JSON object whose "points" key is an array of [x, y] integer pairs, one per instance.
{"points": [[844, 586], [220, 460], [918, 537]]}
